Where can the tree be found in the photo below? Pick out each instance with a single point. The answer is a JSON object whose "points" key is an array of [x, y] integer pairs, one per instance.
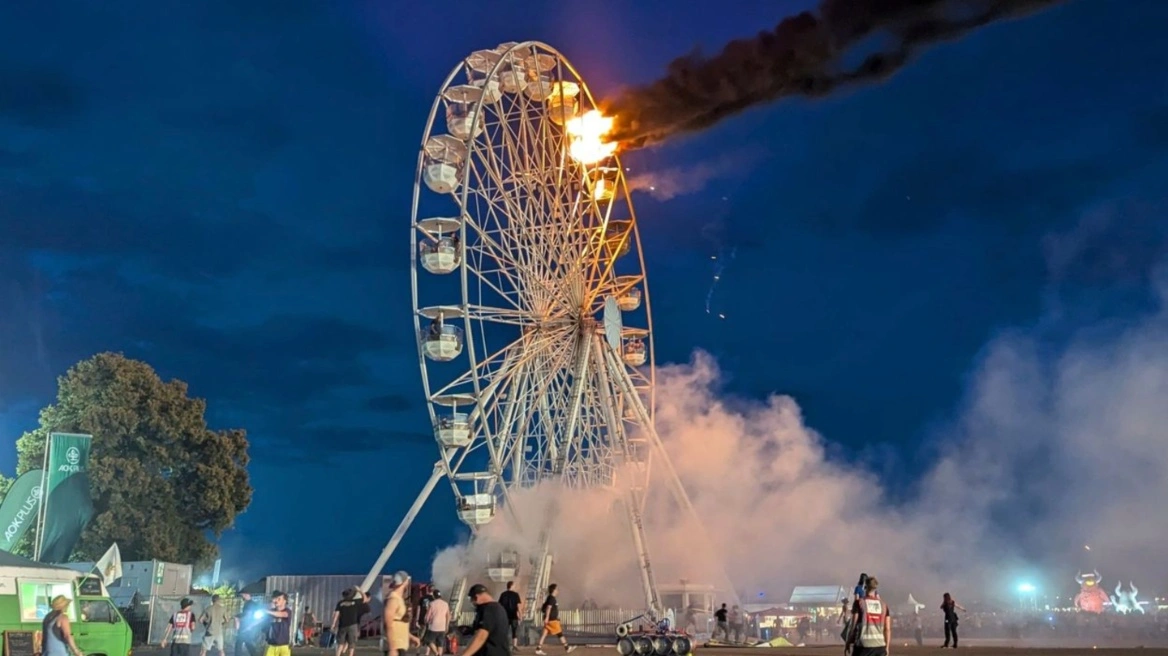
{"points": [[163, 484]]}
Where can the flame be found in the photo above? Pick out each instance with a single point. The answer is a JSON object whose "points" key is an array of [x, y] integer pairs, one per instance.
{"points": [[587, 133], [599, 189]]}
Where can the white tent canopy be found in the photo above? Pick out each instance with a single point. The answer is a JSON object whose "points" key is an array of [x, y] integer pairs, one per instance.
{"points": [[818, 595]]}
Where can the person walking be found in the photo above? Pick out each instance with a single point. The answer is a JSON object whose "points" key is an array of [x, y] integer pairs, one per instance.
{"points": [[214, 621], [551, 622], [874, 621], [247, 625], [437, 624], [513, 604], [950, 607], [721, 623], [492, 631], [182, 628], [346, 624], [737, 625], [57, 632], [397, 624]]}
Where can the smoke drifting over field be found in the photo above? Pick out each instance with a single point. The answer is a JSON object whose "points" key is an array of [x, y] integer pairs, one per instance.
{"points": [[805, 55], [1051, 450]]}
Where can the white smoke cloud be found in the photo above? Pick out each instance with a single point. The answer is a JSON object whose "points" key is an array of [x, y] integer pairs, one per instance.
{"points": [[1056, 445]]}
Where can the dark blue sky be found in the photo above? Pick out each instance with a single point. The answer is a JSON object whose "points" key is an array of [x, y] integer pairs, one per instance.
{"points": [[221, 189]]}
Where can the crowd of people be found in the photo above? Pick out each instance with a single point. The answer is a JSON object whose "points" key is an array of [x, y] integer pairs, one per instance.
{"points": [[425, 625]]}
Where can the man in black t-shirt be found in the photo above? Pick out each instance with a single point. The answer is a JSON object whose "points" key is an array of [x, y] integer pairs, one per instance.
{"points": [[492, 632], [513, 604], [721, 624], [346, 623], [551, 621], [247, 627]]}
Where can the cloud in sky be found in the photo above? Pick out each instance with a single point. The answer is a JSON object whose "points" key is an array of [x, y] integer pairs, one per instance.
{"points": [[1056, 444]]}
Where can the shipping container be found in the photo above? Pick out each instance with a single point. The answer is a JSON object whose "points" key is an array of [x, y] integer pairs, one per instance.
{"points": [[150, 578], [321, 593]]}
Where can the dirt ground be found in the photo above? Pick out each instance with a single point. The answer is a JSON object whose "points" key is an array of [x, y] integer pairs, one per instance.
{"points": [[974, 649]]}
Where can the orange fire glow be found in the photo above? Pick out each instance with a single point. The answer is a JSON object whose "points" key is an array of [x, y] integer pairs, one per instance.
{"points": [[587, 133], [600, 190]]}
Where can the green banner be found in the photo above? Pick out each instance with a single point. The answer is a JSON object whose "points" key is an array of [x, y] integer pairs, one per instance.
{"points": [[68, 506], [20, 509]]}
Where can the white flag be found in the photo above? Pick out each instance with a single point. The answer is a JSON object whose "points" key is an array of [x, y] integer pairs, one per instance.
{"points": [[110, 565]]}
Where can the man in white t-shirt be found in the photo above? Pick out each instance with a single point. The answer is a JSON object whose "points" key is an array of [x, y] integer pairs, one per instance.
{"points": [[437, 625]]}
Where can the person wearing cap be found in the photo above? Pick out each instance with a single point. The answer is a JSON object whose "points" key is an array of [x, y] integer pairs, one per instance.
{"points": [[214, 620], [397, 625], [492, 631], [346, 623], [279, 626], [182, 627], [57, 632], [873, 635], [437, 623]]}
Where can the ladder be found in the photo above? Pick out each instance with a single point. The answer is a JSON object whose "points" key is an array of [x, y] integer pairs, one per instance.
{"points": [[541, 573], [458, 598]]}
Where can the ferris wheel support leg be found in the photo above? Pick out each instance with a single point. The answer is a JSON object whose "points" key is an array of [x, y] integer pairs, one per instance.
{"points": [[672, 479], [648, 581], [634, 506], [411, 514]]}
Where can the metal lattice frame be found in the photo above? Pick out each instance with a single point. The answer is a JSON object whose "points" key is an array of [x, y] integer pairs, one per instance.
{"points": [[534, 273], [517, 250]]}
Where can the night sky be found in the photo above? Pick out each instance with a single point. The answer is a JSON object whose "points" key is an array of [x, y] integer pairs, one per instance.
{"points": [[222, 189]]}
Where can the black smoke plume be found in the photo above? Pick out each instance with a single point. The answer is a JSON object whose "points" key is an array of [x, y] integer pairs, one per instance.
{"points": [[803, 56]]}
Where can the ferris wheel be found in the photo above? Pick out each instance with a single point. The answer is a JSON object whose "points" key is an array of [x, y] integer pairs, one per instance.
{"points": [[531, 306]]}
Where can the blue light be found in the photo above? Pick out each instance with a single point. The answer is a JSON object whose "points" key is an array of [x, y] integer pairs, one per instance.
{"points": [[258, 614], [1026, 588]]}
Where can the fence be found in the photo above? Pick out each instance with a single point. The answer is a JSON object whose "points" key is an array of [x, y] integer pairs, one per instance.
{"points": [[593, 622], [148, 619]]}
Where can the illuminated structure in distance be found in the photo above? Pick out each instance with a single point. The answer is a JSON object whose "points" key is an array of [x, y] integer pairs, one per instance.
{"points": [[531, 306]]}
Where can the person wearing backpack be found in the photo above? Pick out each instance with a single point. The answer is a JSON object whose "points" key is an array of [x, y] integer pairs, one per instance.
{"points": [[870, 615]]}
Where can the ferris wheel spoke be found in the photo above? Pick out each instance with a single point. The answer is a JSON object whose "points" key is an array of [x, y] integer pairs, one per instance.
{"points": [[498, 239], [511, 316], [513, 360]]}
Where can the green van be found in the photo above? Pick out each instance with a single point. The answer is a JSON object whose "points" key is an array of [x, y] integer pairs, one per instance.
{"points": [[27, 587]]}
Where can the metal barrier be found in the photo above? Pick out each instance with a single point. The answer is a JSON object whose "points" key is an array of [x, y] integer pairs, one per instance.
{"points": [[149, 619], [576, 621]]}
